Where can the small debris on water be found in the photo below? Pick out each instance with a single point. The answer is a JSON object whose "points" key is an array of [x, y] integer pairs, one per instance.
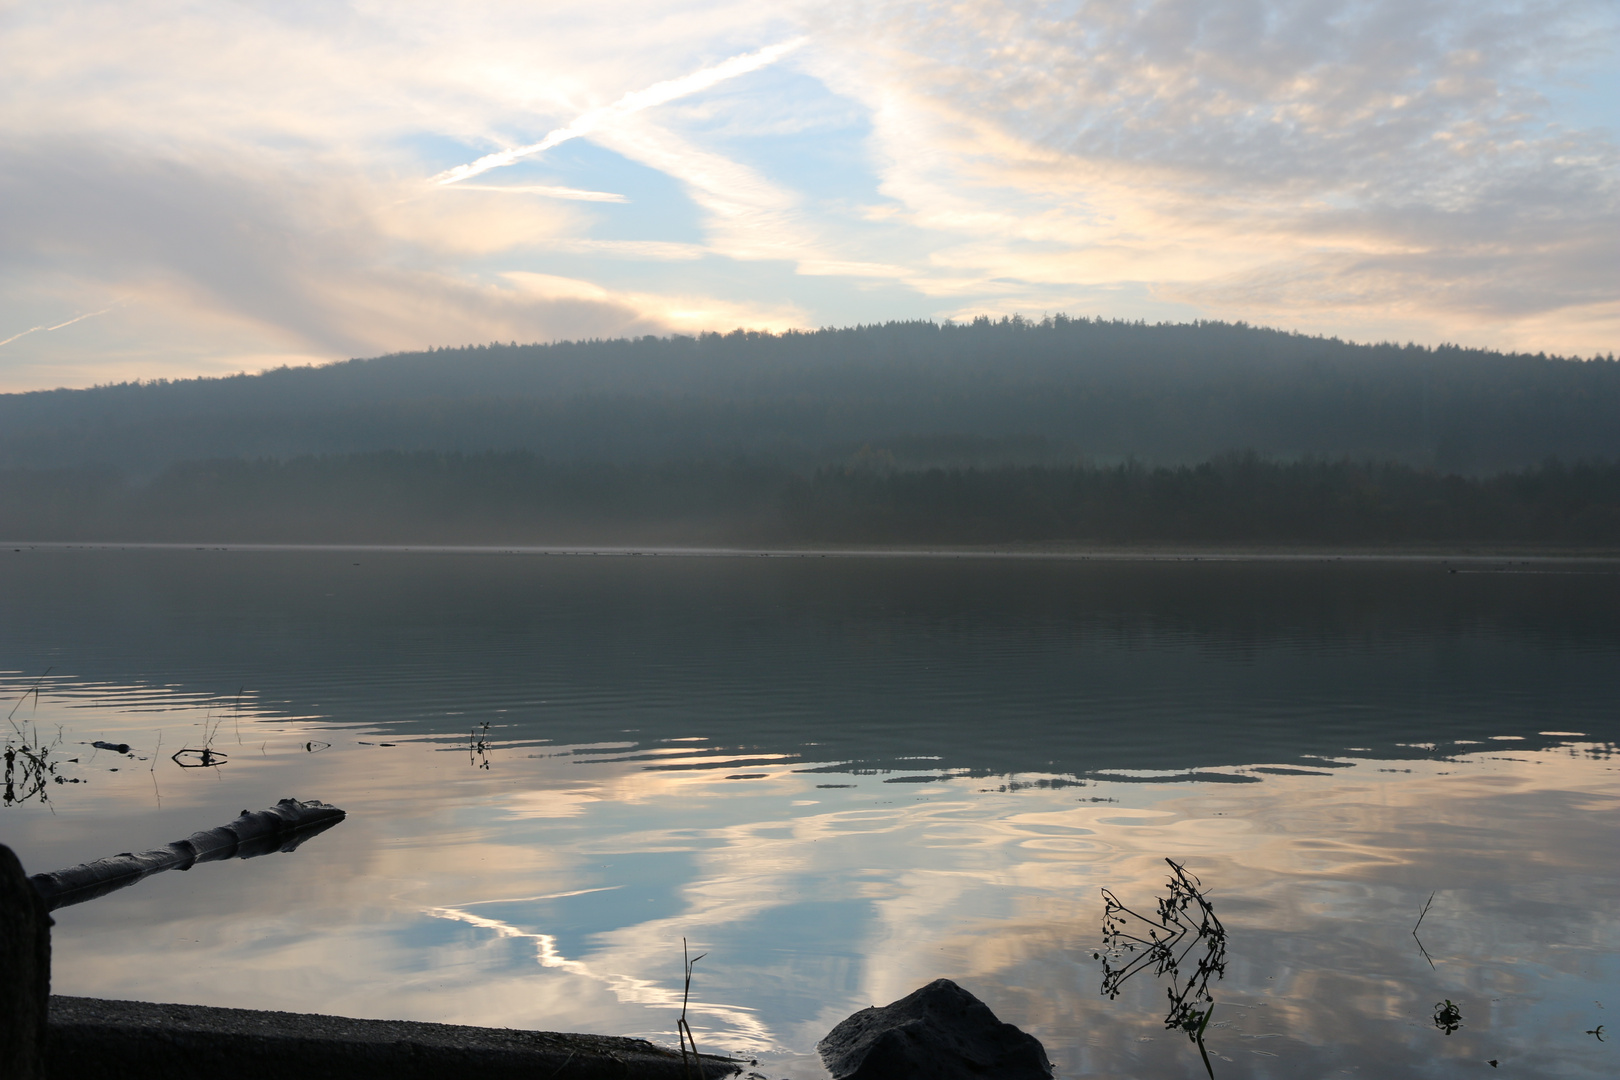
{"points": [[1447, 1016], [192, 758]]}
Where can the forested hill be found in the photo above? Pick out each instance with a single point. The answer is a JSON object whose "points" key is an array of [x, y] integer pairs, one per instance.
{"points": [[916, 395]]}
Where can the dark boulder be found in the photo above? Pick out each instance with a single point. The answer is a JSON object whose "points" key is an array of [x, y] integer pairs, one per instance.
{"points": [[940, 1032], [25, 973]]}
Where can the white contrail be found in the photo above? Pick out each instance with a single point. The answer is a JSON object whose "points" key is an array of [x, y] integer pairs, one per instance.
{"points": [[58, 326], [634, 102], [576, 194]]}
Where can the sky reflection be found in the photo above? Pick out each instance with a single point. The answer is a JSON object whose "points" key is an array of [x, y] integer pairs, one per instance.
{"points": [[553, 890]]}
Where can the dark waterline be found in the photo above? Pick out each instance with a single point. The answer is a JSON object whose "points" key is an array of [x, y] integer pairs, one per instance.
{"points": [[1054, 665]]}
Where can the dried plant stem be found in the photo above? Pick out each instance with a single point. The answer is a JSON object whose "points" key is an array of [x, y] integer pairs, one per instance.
{"points": [[683, 1030], [34, 690], [1186, 915]]}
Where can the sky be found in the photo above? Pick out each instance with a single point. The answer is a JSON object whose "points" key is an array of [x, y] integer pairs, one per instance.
{"points": [[196, 188]]}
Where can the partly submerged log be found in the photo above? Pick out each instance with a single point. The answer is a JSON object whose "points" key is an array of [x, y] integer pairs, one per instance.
{"points": [[25, 973], [281, 828], [91, 1039]]}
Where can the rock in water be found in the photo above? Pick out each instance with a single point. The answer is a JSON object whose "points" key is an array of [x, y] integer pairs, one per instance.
{"points": [[25, 973], [940, 1032]]}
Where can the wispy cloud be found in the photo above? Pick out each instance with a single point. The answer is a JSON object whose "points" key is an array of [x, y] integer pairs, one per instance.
{"points": [[640, 250], [1365, 167], [630, 104], [58, 326], [748, 215]]}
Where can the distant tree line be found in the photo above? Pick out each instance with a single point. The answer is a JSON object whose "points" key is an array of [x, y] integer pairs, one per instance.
{"points": [[519, 497], [1235, 499], [979, 395]]}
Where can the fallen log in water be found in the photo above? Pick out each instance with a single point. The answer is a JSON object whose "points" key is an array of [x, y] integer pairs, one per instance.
{"points": [[280, 828]]}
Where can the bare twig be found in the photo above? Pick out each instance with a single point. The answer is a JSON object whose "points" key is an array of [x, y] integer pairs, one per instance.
{"points": [[32, 690], [153, 770], [191, 757]]}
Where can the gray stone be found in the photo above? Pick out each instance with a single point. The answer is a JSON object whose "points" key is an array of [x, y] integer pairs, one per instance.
{"points": [[940, 1032]]}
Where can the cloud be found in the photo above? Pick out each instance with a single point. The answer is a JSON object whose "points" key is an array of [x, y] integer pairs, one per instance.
{"points": [[247, 177], [641, 250], [747, 215], [1239, 156], [657, 94], [251, 179], [316, 268], [684, 313]]}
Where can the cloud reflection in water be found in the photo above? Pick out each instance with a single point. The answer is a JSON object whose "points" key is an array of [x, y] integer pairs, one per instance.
{"points": [[554, 891]]}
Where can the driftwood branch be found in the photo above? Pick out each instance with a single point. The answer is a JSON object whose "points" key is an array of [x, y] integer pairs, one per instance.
{"points": [[280, 828]]}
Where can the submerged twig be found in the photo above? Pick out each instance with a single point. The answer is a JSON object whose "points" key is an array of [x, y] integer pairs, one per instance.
{"points": [[1419, 923], [1424, 912]]}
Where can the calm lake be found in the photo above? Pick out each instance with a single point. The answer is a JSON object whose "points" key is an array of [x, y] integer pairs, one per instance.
{"points": [[839, 778]]}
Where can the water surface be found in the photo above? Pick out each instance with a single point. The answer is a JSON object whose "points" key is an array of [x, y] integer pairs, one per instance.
{"points": [[840, 778]]}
